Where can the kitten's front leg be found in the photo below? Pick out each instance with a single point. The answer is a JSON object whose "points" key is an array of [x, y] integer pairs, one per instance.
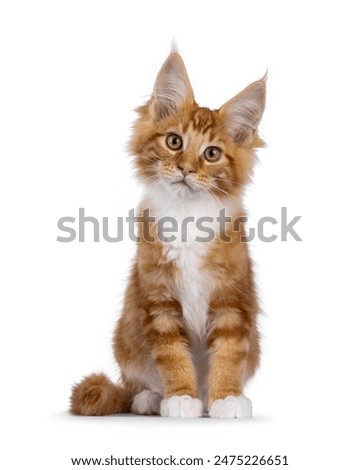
{"points": [[168, 344], [228, 346]]}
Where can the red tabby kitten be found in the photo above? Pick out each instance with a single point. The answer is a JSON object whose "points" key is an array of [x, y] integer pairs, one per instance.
{"points": [[187, 339]]}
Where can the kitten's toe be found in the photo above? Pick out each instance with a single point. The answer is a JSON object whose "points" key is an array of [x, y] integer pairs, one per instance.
{"points": [[231, 407], [146, 403], [181, 406]]}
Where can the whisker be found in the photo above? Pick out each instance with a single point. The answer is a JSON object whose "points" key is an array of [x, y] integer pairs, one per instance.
{"points": [[223, 191], [227, 180]]}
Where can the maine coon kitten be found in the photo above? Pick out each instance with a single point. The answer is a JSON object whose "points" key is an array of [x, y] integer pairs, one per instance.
{"points": [[187, 339]]}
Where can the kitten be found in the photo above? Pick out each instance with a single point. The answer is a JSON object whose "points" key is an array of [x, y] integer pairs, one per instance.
{"points": [[187, 339]]}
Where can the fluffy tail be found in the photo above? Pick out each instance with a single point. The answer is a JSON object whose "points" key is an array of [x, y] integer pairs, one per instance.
{"points": [[97, 395]]}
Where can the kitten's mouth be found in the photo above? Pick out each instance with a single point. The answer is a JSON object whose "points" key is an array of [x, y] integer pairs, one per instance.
{"points": [[183, 182]]}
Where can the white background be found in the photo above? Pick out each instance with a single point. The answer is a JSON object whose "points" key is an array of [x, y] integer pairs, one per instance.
{"points": [[71, 74]]}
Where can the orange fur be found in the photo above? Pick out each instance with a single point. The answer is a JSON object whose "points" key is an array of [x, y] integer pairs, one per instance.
{"points": [[154, 343], [97, 395]]}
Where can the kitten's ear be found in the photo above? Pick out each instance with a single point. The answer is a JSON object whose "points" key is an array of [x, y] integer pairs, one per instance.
{"points": [[243, 112], [172, 88]]}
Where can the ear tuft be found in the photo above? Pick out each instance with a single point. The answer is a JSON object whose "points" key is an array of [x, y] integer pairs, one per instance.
{"points": [[174, 47], [172, 88], [243, 113]]}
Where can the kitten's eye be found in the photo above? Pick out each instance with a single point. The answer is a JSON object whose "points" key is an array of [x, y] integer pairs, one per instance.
{"points": [[212, 154], [174, 141]]}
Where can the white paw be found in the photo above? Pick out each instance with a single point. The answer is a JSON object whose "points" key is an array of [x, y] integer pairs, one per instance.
{"points": [[181, 406], [231, 407], [146, 403]]}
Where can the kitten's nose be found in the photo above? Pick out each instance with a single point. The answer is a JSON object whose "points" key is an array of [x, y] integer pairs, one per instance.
{"points": [[185, 169]]}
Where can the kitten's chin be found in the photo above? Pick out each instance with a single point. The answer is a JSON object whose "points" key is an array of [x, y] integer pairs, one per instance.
{"points": [[181, 189]]}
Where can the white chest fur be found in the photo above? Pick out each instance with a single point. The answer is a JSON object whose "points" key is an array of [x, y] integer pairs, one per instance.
{"points": [[187, 249], [193, 283]]}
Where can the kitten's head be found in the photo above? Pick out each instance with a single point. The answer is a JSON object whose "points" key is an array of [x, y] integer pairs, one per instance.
{"points": [[192, 150]]}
